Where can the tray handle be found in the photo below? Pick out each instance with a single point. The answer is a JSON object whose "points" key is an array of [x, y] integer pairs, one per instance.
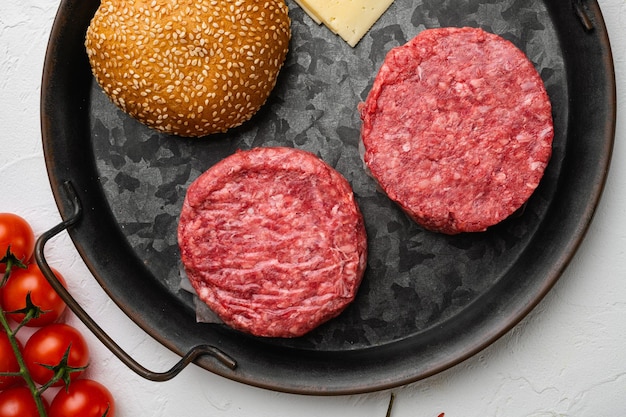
{"points": [[127, 359]]}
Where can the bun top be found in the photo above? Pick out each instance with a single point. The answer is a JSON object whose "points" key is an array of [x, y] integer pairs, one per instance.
{"points": [[188, 67]]}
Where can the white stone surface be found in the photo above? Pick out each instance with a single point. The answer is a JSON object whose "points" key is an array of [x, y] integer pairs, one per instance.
{"points": [[567, 358]]}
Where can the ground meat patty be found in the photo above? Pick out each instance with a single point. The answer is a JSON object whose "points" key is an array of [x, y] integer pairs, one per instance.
{"points": [[273, 241], [457, 128]]}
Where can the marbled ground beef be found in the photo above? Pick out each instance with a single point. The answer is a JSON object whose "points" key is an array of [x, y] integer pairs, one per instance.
{"points": [[457, 129], [273, 241]]}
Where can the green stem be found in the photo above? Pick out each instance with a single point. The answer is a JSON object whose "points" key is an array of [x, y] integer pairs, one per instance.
{"points": [[23, 369], [48, 384], [9, 374]]}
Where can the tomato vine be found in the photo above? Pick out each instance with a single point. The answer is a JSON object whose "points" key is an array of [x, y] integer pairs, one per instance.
{"points": [[23, 372], [56, 354]]}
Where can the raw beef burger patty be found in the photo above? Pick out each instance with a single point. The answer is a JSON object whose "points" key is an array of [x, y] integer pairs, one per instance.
{"points": [[457, 129], [273, 241]]}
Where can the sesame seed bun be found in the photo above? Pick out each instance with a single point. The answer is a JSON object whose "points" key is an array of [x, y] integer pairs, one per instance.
{"points": [[188, 67]]}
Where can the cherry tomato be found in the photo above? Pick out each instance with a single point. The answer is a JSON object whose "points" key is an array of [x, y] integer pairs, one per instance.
{"points": [[31, 280], [48, 345], [16, 233], [84, 398], [18, 402], [8, 363]]}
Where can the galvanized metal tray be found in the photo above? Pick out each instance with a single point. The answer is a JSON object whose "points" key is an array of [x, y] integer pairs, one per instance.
{"points": [[428, 301]]}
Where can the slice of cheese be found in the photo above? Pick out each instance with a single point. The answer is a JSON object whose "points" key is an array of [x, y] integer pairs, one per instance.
{"points": [[350, 19]]}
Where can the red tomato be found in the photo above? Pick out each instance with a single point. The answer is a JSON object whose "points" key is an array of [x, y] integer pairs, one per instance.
{"points": [[48, 345], [31, 280], [84, 398], [8, 363], [17, 233], [18, 402]]}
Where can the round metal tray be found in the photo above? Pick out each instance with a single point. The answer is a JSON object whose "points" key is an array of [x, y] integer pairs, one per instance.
{"points": [[428, 301]]}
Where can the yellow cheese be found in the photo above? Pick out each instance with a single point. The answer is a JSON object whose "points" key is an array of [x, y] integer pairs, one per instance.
{"points": [[350, 19]]}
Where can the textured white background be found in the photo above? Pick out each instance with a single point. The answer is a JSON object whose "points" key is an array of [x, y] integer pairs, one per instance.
{"points": [[567, 358]]}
